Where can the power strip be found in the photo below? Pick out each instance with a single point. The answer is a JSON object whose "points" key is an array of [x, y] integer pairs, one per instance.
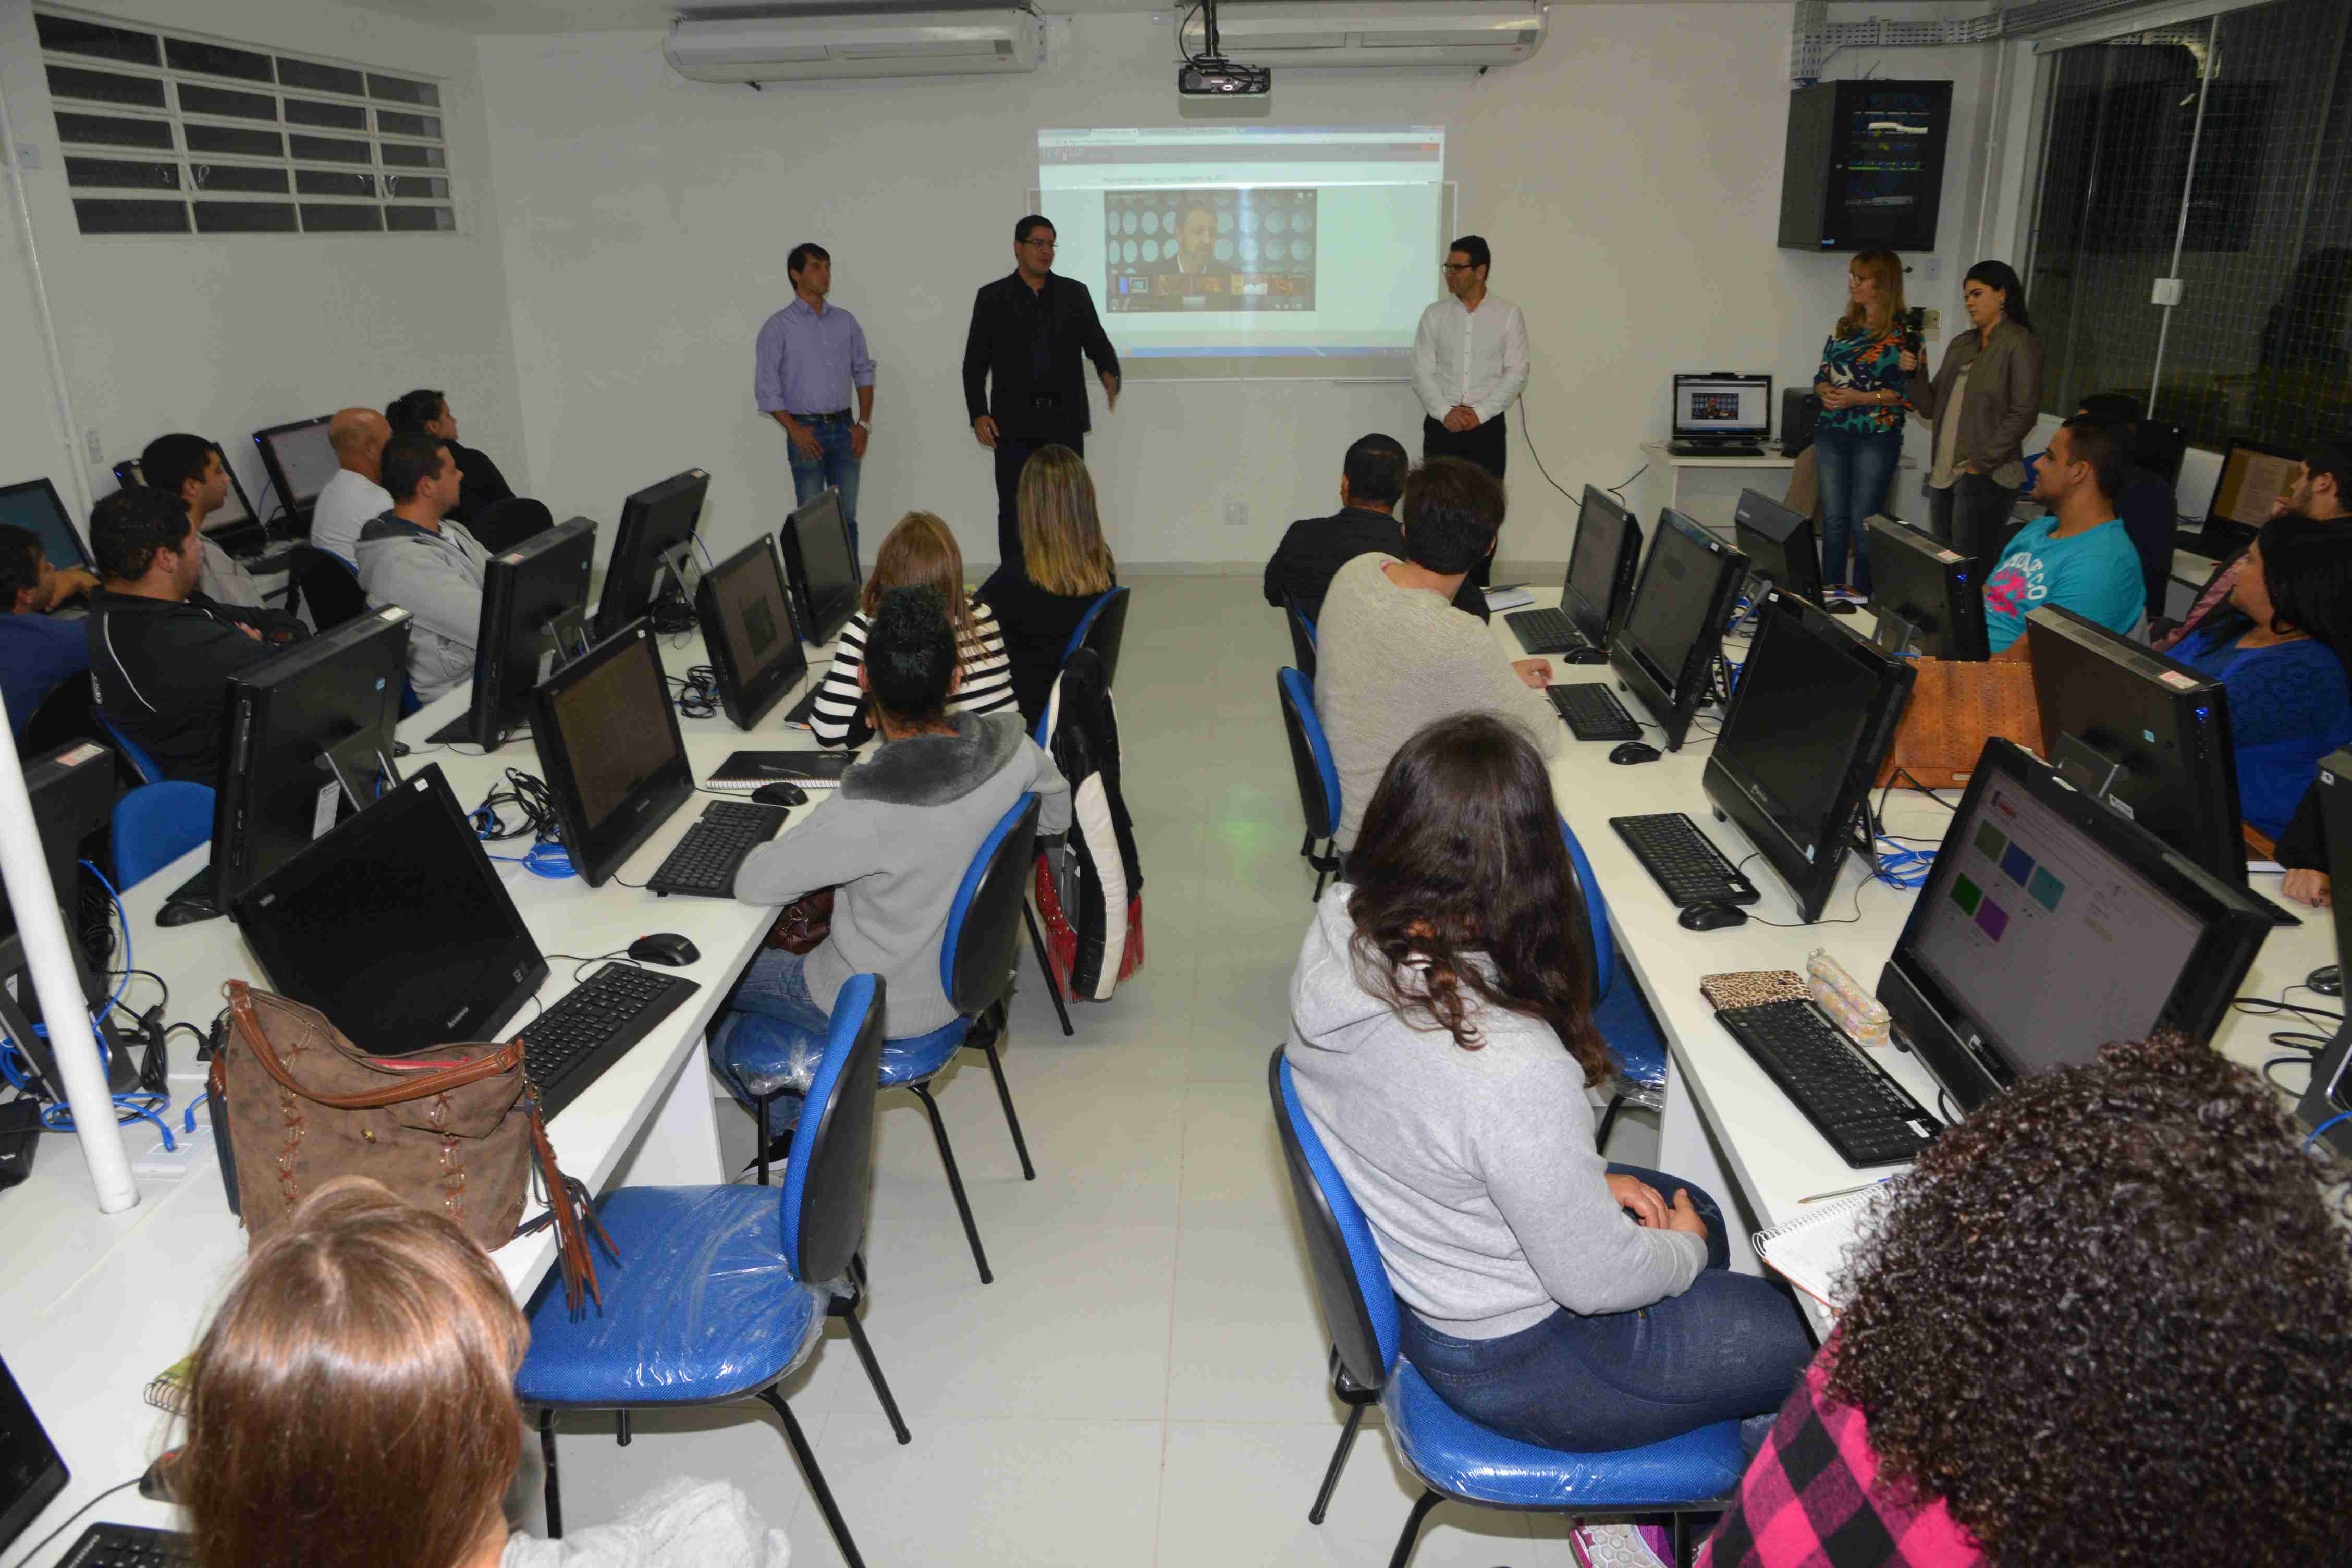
{"points": [[189, 1150]]}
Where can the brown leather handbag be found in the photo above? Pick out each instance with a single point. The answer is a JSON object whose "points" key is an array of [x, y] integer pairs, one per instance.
{"points": [[455, 1128], [1954, 707], [802, 925]]}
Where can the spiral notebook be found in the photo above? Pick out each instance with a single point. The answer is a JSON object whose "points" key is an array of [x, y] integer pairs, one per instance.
{"points": [[1811, 1250]]}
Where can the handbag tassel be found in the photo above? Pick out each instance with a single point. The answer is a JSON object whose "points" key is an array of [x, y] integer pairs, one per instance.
{"points": [[575, 1220]]}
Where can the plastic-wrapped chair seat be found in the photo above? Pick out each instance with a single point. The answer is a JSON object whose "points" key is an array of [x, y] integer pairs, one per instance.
{"points": [[1620, 1011], [1452, 1456], [720, 1292]]}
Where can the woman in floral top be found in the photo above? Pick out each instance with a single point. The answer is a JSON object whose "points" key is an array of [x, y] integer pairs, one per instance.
{"points": [[1859, 438]]}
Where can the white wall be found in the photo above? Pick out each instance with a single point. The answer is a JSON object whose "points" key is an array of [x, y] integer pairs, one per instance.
{"points": [[1628, 179], [224, 335]]}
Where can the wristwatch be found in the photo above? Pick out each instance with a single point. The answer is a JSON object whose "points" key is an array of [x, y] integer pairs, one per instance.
{"points": [[861, 424]]}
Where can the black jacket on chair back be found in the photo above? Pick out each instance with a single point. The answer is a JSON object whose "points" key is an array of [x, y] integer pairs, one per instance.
{"points": [[1021, 359]]}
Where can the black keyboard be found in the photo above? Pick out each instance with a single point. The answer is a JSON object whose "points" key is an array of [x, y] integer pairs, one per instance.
{"points": [[1594, 711], [1545, 631], [570, 1047], [707, 859], [130, 1546], [1684, 861], [1865, 1115]]}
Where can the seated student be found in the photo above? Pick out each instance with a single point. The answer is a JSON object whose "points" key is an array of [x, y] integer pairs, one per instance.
{"points": [[2144, 499], [1441, 1041], [162, 651], [2106, 1318], [2321, 488], [355, 496], [2279, 653], [1040, 599], [895, 839], [486, 504], [1314, 548], [353, 1401], [190, 467], [1392, 653], [36, 652], [2079, 557], [920, 550], [417, 557]]}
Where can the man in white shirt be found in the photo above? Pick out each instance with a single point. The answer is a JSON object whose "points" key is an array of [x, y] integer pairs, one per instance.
{"points": [[355, 496], [1469, 365]]}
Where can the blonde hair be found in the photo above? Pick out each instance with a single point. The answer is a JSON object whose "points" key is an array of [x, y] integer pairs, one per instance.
{"points": [[1061, 535], [353, 1400], [1885, 268], [920, 552]]}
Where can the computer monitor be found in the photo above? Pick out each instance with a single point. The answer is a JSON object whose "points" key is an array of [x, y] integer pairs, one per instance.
{"points": [[1723, 405], [300, 462], [34, 504], [1929, 600], [2051, 925], [747, 627], [72, 793], [233, 513], [2254, 475], [2147, 734], [310, 742], [654, 543], [821, 567], [534, 620], [1816, 710], [31, 1473], [1665, 653], [1600, 567], [2328, 1100], [608, 739], [1779, 544], [396, 926]]}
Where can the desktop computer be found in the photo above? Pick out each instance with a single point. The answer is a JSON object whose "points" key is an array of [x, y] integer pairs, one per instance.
{"points": [[1721, 414], [72, 794], [608, 739], [821, 567], [33, 504], [1779, 544], [1929, 600], [1665, 653], [1600, 583], [2327, 1103], [747, 628], [300, 462], [653, 552], [534, 620]]}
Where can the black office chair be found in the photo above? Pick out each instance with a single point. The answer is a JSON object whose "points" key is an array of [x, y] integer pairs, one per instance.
{"points": [[329, 585], [1302, 636], [61, 718]]}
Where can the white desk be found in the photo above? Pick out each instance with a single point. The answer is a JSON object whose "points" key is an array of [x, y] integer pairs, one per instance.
{"points": [[95, 1305], [1706, 489]]}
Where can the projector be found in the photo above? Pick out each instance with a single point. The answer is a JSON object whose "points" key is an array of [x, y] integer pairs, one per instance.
{"points": [[1223, 78]]}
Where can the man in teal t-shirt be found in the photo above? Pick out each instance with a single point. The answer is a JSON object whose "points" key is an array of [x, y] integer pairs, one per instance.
{"points": [[2078, 557]]}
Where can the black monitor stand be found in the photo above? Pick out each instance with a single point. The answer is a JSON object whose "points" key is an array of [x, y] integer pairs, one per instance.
{"points": [[1896, 634]]}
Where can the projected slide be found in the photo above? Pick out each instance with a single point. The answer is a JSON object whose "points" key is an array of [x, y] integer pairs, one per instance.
{"points": [[1223, 251]]}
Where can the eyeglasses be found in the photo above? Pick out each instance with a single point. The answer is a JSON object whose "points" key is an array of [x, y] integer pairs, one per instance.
{"points": [[1040, 243], [1457, 267]]}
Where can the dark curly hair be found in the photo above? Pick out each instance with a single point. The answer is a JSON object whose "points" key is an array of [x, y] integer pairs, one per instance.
{"points": [[1461, 856], [910, 656], [2108, 1319]]}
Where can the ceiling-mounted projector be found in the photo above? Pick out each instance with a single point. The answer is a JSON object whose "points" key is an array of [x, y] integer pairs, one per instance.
{"points": [[1210, 75]]}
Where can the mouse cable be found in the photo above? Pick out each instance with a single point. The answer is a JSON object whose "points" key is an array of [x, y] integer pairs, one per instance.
{"points": [[583, 961], [77, 1513], [2269, 1006]]}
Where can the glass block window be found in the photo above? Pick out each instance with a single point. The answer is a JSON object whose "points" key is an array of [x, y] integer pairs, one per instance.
{"points": [[167, 133]]}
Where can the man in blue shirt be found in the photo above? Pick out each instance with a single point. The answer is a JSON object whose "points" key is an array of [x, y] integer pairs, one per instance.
{"points": [[2078, 557], [809, 356], [36, 652]]}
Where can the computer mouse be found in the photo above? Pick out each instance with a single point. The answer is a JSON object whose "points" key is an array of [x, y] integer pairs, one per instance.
{"points": [[1840, 607], [1631, 751], [781, 795], [1711, 917], [186, 912], [1583, 655], [665, 947]]}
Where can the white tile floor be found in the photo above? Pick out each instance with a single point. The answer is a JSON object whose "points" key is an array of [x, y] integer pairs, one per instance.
{"points": [[1144, 1383]]}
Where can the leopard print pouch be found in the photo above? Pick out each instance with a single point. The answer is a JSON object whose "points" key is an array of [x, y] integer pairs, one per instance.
{"points": [[1752, 988]]}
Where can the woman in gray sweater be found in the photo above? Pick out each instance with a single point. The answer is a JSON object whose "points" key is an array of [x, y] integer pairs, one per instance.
{"points": [[1441, 1041]]}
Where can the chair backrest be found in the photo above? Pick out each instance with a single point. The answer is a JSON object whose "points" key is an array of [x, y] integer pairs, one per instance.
{"points": [[149, 770], [1302, 636], [1359, 1306], [67, 714], [1602, 941], [1310, 755], [831, 1168], [156, 823], [1103, 624], [329, 585], [983, 946]]}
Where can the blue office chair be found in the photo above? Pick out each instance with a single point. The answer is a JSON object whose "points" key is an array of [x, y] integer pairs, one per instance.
{"points": [[1620, 1011], [766, 1058], [1452, 1455], [142, 762], [714, 1301], [1101, 629], [1318, 776], [156, 823], [1302, 636]]}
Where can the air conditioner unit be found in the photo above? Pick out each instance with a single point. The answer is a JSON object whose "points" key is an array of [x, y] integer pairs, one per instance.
{"points": [[812, 48], [1295, 37]]}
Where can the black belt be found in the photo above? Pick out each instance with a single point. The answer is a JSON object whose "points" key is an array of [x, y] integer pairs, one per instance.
{"points": [[836, 414]]}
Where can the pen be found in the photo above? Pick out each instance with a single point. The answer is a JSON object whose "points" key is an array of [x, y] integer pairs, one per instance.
{"points": [[1845, 1192]]}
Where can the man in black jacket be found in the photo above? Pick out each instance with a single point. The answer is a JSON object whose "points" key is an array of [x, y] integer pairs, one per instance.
{"points": [[1023, 387], [161, 653], [1370, 483]]}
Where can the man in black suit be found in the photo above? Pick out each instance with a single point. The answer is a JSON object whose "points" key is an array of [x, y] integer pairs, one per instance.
{"points": [[1023, 387], [1371, 480]]}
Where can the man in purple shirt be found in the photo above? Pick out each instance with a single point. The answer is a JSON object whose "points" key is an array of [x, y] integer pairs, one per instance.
{"points": [[810, 354]]}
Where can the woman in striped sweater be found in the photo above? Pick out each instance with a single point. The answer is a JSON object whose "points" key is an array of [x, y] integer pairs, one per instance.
{"points": [[920, 550]]}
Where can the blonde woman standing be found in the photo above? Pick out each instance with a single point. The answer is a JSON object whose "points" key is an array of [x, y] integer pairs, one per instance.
{"points": [[919, 551], [1859, 438], [1065, 567]]}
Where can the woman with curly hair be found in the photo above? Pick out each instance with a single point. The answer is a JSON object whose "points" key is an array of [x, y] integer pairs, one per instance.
{"points": [[1443, 1045], [2108, 1319]]}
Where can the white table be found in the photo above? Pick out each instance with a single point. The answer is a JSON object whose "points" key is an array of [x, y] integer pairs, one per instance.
{"points": [[1706, 489]]}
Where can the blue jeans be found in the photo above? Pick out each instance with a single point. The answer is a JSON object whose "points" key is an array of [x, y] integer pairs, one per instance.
{"points": [[775, 986], [1854, 470], [833, 466], [1729, 1348]]}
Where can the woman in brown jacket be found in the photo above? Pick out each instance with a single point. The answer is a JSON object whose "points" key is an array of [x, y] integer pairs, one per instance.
{"points": [[1981, 405]]}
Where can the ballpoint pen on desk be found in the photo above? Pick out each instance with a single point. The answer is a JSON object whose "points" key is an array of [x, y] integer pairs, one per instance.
{"points": [[1847, 1192]]}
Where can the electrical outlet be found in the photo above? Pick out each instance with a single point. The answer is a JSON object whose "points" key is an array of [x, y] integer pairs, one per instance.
{"points": [[92, 444], [1931, 324], [2165, 292], [1236, 514]]}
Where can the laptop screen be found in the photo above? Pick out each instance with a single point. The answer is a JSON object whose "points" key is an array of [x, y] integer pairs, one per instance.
{"points": [[2252, 478], [31, 1471]]}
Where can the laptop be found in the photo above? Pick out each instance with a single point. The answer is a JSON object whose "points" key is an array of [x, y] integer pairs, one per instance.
{"points": [[2254, 475]]}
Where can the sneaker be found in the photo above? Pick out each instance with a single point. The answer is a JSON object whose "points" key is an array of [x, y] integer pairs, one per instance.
{"points": [[1617, 1545]]}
